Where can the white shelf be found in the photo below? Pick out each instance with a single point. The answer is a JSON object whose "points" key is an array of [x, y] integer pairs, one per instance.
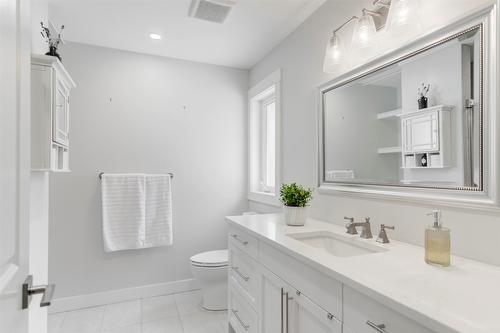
{"points": [[429, 109], [390, 114], [389, 150], [429, 167]]}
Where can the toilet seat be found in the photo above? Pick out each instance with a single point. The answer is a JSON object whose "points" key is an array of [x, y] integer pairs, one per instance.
{"points": [[211, 259]]}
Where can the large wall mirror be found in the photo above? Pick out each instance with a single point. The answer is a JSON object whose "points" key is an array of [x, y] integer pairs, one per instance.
{"points": [[414, 122]]}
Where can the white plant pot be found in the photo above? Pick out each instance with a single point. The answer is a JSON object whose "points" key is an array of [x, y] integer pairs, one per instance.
{"points": [[295, 216]]}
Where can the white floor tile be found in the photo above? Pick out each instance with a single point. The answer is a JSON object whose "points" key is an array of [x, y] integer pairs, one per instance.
{"points": [[155, 308], [166, 325], [55, 321], [128, 329], [203, 322], [83, 321], [122, 314], [188, 303]]}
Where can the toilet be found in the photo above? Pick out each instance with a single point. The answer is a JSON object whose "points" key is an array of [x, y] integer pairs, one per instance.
{"points": [[211, 269]]}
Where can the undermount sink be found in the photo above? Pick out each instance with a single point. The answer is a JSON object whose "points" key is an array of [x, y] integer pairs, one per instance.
{"points": [[335, 244]]}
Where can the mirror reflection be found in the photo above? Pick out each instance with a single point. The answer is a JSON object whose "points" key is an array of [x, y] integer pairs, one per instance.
{"points": [[414, 123]]}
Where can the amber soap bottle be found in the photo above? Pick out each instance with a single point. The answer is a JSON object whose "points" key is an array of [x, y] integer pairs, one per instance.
{"points": [[437, 242]]}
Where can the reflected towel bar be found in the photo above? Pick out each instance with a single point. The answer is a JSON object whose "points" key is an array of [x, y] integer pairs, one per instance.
{"points": [[169, 173]]}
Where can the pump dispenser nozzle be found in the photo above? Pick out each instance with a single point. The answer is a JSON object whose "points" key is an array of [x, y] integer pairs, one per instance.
{"points": [[437, 217]]}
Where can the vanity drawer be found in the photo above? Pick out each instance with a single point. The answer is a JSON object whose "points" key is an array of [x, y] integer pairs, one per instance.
{"points": [[244, 242], [243, 274], [242, 316], [362, 314]]}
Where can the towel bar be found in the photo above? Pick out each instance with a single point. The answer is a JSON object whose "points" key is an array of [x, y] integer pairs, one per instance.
{"points": [[168, 173]]}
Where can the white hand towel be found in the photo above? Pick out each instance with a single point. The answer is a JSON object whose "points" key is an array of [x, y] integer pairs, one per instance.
{"points": [[123, 211], [158, 211]]}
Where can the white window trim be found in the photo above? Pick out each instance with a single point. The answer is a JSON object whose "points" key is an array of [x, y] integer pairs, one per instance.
{"points": [[263, 148], [268, 85]]}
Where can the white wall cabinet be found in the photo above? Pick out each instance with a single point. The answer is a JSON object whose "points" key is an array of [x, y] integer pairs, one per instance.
{"points": [[427, 134], [50, 89], [287, 296]]}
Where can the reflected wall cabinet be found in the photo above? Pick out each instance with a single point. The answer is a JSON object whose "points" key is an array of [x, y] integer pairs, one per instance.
{"points": [[427, 137], [50, 89]]}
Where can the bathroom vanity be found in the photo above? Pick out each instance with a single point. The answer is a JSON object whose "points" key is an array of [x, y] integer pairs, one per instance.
{"points": [[319, 279]]}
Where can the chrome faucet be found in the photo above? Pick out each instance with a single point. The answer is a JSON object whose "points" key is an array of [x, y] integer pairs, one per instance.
{"points": [[382, 236], [351, 227]]}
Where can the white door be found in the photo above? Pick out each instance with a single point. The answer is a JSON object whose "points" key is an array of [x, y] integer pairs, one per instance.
{"points": [[424, 133], [61, 115], [272, 302], [304, 316], [15, 237]]}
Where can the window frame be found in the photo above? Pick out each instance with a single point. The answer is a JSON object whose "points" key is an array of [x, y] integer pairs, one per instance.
{"points": [[259, 97]]}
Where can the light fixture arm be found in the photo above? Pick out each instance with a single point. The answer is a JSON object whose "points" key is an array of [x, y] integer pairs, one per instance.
{"points": [[382, 3], [345, 23], [371, 12]]}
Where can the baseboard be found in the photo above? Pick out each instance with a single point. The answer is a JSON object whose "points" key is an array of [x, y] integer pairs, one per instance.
{"points": [[121, 295]]}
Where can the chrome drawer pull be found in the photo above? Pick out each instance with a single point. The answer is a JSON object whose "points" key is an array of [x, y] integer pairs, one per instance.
{"points": [[237, 270], [239, 240], [235, 313], [379, 328]]}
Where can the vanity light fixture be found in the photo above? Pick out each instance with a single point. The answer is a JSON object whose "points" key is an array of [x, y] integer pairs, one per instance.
{"points": [[391, 14], [403, 14], [335, 51], [155, 36], [365, 32]]}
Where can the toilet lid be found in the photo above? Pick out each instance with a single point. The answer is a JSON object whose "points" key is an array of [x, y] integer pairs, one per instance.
{"points": [[211, 258]]}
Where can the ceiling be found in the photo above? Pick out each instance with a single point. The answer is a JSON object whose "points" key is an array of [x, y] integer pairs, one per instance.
{"points": [[252, 29]]}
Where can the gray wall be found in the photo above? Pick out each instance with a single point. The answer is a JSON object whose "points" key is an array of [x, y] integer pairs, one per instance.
{"points": [[353, 133], [127, 115], [474, 233]]}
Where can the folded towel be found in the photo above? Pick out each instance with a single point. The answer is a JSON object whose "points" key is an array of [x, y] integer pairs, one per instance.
{"points": [[123, 211], [158, 211], [136, 211]]}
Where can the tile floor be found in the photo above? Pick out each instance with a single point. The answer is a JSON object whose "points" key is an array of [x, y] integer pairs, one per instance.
{"points": [[179, 313]]}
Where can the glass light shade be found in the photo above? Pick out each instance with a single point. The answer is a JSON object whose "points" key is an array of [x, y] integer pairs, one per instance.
{"points": [[334, 54], [403, 13], [365, 32]]}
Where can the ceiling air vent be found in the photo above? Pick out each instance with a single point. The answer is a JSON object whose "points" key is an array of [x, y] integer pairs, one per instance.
{"points": [[211, 10]]}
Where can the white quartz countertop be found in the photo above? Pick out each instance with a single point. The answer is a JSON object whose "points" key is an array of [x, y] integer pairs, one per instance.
{"points": [[464, 297]]}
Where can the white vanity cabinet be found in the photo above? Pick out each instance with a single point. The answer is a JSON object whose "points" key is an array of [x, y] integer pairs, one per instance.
{"points": [[50, 89], [426, 133], [279, 306], [364, 315], [272, 291], [285, 309]]}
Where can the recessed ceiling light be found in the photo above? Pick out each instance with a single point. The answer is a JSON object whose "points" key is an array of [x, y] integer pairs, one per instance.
{"points": [[155, 36]]}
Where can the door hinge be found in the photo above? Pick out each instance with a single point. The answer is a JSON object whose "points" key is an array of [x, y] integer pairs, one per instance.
{"points": [[469, 103]]}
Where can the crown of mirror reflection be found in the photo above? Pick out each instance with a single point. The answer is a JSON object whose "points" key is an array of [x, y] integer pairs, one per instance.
{"points": [[401, 14]]}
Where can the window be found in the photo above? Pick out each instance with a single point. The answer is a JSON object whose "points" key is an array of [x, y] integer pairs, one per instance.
{"points": [[264, 140]]}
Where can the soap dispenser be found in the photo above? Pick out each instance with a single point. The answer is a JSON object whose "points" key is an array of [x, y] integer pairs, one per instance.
{"points": [[437, 242]]}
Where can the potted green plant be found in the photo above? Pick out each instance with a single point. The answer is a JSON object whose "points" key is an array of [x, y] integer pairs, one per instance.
{"points": [[295, 199]]}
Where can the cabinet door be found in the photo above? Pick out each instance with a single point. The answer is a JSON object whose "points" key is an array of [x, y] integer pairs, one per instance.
{"points": [[424, 133], [272, 311], [304, 316], [60, 116]]}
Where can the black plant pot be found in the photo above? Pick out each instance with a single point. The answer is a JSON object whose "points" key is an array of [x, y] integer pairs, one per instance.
{"points": [[422, 102], [53, 52]]}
